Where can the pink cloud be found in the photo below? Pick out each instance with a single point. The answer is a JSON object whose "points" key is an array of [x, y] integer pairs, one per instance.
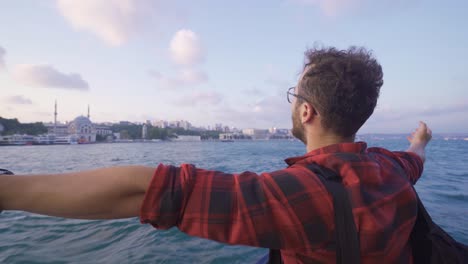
{"points": [[335, 8], [113, 21], [18, 99], [332, 7], [49, 77], [186, 48]]}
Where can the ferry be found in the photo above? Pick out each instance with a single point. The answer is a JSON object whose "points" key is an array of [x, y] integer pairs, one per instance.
{"points": [[17, 140], [47, 139], [66, 140]]}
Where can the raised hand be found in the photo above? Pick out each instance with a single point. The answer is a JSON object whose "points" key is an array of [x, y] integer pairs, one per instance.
{"points": [[419, 139], [421, 136]]}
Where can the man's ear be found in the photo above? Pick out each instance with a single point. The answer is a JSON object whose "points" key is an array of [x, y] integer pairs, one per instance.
{"points": [[307, 112]]}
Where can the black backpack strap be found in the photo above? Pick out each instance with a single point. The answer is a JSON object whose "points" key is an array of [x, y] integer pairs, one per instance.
{"points": [[5, 172], [347, 240], [275, 257]]}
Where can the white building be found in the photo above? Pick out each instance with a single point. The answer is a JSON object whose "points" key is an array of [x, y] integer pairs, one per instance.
{"points": [[83, 129], [144, 131], [59, 130], [160, 124], [185, 124], [102, 130], [219, 127], [256, 134]]}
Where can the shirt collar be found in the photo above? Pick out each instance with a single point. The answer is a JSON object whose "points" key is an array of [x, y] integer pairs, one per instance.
{"points": [[355, 147]]}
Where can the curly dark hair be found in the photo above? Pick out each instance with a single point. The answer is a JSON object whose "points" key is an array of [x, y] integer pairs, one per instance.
{"points": [[343, 85]]}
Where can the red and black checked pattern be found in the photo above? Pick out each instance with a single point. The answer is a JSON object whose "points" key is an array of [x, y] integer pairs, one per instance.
{"points": [[290, 209]]}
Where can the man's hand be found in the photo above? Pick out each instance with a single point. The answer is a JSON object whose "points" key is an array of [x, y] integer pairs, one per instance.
{"points": [[419, 139]]}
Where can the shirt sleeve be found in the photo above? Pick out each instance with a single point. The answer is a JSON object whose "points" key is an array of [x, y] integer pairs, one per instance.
{"points": [[245, 208], [411, 163]]}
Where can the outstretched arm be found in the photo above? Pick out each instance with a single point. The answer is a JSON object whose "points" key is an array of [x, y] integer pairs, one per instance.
{"points": [[107, 193], [419, 139]]}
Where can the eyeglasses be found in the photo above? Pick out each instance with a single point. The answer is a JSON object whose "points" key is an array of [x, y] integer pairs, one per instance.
{"points": [[290, 92]]}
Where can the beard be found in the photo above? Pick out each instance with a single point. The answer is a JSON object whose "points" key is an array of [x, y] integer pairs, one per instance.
{"points": [[298, 127]]}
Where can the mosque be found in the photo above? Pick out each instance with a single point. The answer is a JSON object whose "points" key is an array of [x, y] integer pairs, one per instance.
{"points": [[80, 130]]}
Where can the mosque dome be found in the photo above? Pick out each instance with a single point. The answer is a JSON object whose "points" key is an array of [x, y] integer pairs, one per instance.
{"points": [[81, 125], [81, 121]]}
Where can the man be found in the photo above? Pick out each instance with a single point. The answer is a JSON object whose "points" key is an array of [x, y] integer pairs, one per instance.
{"points": [[287, 209]]}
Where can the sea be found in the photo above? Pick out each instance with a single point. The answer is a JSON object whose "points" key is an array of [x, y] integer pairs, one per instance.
{"points": [[33, 238]]}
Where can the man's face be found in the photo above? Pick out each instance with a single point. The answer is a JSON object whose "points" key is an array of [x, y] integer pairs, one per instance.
{"points": [[298, 127]]}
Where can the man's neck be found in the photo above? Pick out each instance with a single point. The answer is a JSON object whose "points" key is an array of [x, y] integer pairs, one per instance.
{"points": [[326, 140]]}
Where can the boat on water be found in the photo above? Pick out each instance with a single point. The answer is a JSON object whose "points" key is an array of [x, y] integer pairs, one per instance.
{"points": [[16, 140], [66, 140], [47, 139]]}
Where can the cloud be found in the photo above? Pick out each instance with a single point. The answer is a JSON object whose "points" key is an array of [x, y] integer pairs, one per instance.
{"points": [[185, 48], [48, 76], [2, 57], [335, 8], [201, 98], [332, 7], [18, 99], [185, 77], [114, 21]]}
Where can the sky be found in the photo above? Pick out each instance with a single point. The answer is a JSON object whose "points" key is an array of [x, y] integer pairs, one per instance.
{"points": [[227, 62]]}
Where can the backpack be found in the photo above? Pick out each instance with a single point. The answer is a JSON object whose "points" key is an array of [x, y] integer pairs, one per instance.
{"points": [[429, 242]]}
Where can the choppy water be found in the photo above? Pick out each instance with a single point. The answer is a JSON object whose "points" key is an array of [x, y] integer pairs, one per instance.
{"points": [[32, 238]]}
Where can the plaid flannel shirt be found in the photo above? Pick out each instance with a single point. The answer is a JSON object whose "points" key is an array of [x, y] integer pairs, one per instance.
{"points": [[290, 209]]}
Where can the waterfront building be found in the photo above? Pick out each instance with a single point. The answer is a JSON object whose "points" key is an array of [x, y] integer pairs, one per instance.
{"points": [[160, 124], [185, 124], [231, 136], [83, 129], [58, 129], [103, 130], [256, 134], [125, 123], [144, 131], [219, 127], [226, 136]]}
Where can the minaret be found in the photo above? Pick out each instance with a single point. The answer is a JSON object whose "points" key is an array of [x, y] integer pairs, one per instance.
{"points": [[55, 118], [88, 113]]}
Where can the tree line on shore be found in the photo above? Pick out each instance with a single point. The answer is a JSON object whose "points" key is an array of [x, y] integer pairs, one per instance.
{"points": [[13, 126]]}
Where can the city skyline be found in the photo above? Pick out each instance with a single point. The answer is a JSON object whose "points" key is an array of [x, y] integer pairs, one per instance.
{"points": [[228, 63]]}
